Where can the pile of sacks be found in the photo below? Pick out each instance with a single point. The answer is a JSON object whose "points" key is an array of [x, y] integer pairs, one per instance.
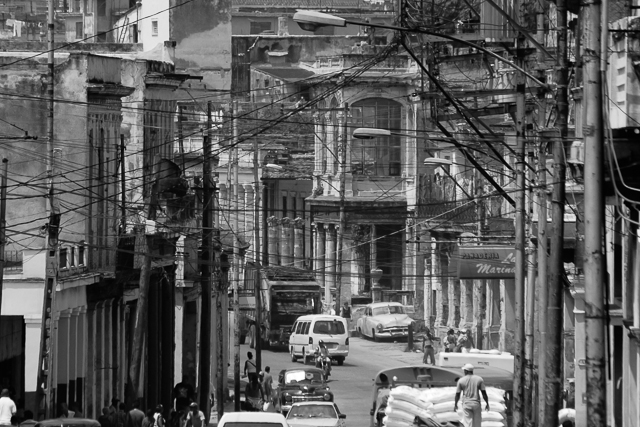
{"points": [[407, 403]]}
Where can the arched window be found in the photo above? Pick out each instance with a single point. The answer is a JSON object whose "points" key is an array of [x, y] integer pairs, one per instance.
{"points": [[378, 156]]}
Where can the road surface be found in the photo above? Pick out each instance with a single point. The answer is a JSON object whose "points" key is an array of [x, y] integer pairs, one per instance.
{"points": [[352, 382]]}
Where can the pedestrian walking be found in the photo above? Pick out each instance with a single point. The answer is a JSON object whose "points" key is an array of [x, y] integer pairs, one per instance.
{"points": [[148, 419], [195, 417], [158, 418], [136, 416], [450, 341], [470, 386], [254, 396], [427, 349], [250, 370], [7, 408], [346, 311], [105, 419], [267, 384]]}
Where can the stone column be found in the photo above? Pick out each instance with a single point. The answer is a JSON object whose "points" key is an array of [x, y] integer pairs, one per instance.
{"points": [[298, 245], [108, 349], [441, 286], [409, 267], [272, 224], [62, 356], [73, 354], [479, 302], [492, 328], [286, 251], [429, 272], [319, 253], [318, 120], [91, 404], [249, 215], [360, 242], [223, 200], [330, 264], [507, 315], [454, 291], [33, 329], [466, 304], [329, 150]]}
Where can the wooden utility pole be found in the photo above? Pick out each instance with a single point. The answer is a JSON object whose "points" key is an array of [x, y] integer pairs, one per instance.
{"points": [[553, 357], [141, 318], [48, 330], [123, 189], [236, 269], [206, 263], [594, 57], [529, 413], [257, 189], [342, 220], [520, 267], [3, 225]]}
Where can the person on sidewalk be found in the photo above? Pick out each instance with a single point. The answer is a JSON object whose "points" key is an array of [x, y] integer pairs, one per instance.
{"points": [[250, 370], [136, 416], [450, 341], [428, 350], [470, 386], [195, 417], [7, 408]]}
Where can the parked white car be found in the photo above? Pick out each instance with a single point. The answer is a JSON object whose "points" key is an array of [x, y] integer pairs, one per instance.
{"points": [[316, 414], [248, 419], [384, 320]]}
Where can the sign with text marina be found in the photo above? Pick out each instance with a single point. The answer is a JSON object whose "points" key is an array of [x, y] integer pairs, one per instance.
{"points": [[486, 262]]}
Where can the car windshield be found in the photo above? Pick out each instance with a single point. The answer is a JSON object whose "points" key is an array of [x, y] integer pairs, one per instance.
{"points": [[328, 327], [389, 309], [312, 411], [295, 377]]}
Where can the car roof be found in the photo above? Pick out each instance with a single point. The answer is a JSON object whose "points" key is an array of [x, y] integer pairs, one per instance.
{"points": [[71, 422], [384, 304], [313, 403], [267, 417], [320, 317]]}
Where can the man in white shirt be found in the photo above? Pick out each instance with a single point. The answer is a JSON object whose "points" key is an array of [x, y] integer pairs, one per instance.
{"points": [[7, 408]]}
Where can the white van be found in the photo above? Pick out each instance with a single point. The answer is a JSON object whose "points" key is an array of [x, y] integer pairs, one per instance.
{"points": [[307, 331]]}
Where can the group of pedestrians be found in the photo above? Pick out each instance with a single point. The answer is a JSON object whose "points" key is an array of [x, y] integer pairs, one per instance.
{"points": [[259, 393], [189, 416], [454, 342]]}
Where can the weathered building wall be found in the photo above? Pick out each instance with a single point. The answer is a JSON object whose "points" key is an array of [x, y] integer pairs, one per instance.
{"points": [[202, 32]]}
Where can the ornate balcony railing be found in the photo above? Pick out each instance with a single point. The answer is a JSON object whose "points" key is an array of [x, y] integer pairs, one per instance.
{"points": [[438, 201]]}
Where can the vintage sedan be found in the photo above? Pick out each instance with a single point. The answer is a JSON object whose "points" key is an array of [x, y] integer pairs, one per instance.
{"points": [[301, 385], [315, 414], [384, 320]]}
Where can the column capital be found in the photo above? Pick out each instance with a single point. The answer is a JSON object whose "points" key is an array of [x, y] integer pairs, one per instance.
{"points": [[248, 188], [298, 223], [272, 221], [285, 222]]}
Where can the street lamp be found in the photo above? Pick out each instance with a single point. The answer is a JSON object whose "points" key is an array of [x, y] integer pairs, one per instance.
{"points": [[310, 20]]}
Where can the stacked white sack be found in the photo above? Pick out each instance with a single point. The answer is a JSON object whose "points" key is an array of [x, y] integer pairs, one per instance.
{"points": [[403, 406], [442, 400]]}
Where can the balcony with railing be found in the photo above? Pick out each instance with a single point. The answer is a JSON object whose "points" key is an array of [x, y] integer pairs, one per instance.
{"points": [[439, 201], [373, 5], [395, 64]]}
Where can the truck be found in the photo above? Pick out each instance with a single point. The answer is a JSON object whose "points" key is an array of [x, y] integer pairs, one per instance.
{"points": [[286, 293]]}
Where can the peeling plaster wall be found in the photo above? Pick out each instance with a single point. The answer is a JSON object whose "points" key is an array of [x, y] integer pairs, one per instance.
{"points": [[202, 32]]}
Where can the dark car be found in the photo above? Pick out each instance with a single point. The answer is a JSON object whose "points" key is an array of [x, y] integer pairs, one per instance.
{"points": [[301, 385]]}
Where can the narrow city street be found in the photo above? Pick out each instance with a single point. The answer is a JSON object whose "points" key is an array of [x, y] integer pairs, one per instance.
{"points": [[352, 382]]}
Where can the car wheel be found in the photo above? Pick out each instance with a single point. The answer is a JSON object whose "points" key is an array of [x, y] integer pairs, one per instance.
{"points": [[294, 358], [252, 337], [340, 361]]}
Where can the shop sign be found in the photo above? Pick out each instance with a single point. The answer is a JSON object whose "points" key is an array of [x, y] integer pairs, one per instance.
{"points": [[487, 262]]}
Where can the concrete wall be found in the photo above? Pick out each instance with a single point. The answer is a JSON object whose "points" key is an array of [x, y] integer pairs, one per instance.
{"points": [[202, 31]]}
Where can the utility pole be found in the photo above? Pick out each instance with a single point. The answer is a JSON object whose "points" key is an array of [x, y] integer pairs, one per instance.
{"points": [[236, 270], [48, 335], [595, 18], [256, 248], [553, 370], [3, 225], [529, 414], [520, 273], [342, 217], [206, 263], [123, 189]]}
